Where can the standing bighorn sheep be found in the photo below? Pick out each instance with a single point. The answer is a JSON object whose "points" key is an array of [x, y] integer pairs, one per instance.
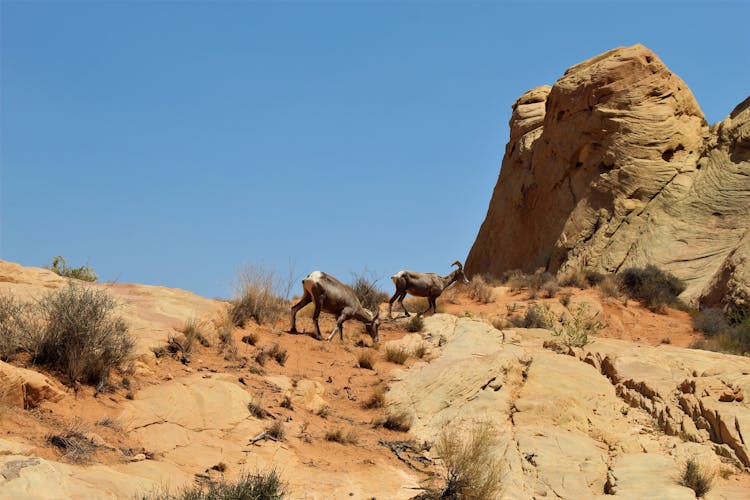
{"points": [[428, 285], [332, 296]]}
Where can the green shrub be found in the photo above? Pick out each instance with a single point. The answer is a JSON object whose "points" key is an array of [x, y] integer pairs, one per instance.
{"points": [[655, 288], [60, 267], [365, 286], [259, 486], [255, 297], [695, 478], [575, 331]]}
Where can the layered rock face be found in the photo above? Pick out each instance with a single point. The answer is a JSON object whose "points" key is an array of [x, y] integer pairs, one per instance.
{"points": [[615, 166]]}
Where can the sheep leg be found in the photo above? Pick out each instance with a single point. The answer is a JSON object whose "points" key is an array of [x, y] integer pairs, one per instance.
{"points": [[390, 304], [433, 303], [401, 301], [306, 299], [316, 314], [429, 306]]}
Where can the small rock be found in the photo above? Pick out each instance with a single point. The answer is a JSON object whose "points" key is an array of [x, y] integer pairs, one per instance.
{"points": [[138, 458]]}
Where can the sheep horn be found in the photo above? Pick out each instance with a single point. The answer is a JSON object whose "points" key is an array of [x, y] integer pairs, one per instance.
{"points": [[457, 264]]}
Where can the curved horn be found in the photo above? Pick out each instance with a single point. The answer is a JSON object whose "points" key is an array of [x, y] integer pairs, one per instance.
{"points": [[457, 264]]}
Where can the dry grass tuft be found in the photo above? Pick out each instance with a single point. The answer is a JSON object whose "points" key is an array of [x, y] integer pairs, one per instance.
{"points": [[276, 430], [339, 436], [415, 324], [278, 353], [480, 291], [400, 421], [366, 359], [695, 478], [396, 354], [470, 469], [255, 297], [376, 399]]}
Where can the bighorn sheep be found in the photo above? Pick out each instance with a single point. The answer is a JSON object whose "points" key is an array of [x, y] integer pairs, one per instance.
{"points": [[332, 296], [428, 285]]}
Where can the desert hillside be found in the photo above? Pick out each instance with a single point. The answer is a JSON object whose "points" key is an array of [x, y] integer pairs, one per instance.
{"points": [[621, 415], [614, 166]]}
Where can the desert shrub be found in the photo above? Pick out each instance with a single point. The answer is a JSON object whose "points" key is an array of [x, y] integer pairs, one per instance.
{"points": [[193, 330], [60, 267], [255, 297], [565, 299], [415, 324], [574, 277], [324, 411], [695, 478], [73, 442], [276, 430], [509, 275], [734, 340], [20, 324], [575, 331], [593, 277], [81, 334], [480, 291], [287, 403], [654, 287], [366, 359], [278, 353], [376, 399], [399, 421], [500, 323], [711, 322], [550, 288], [469, 467], [608, 286], [517, 320], [538, 316], [365, 286], [250, 339], [396, 354], [420, 350], [256, 409], [532, 282], [258, 486], [339, 436]]}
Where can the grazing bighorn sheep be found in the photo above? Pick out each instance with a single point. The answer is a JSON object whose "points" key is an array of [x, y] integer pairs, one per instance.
{"points": [[332, 296], [428, 285]]}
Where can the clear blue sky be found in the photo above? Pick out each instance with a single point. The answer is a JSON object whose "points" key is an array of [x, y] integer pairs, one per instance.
{"points": [[173, 142]]}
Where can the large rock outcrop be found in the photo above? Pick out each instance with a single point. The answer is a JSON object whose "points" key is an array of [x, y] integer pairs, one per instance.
{"points": [[615, 166]]}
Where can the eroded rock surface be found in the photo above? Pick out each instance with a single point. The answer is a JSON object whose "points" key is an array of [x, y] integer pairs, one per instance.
{"points": [[615, 166], [614, 418]]}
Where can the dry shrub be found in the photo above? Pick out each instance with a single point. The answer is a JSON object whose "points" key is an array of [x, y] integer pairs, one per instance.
{"points": [[469, 467], [695, 478], [396, 354], [500, 323], [324, 412], [538, 316], [376, 399], [711, 322], [276, 430], [399, 421], [258, 486], [517, 320], [608, 286], [278, 353], [574, 277], [420, 350], [365, 286], [73, 329], [565, 299], [261, 356], [61, 268], [255, 297], [734, 340], [250, 338], [194, 331], [508, 276], [480, 291], [339, 436], [415, 324], [256, 409], [550, 288], [532, 282], [73, 442], [366, 359], [652, 286], [287, 403]]}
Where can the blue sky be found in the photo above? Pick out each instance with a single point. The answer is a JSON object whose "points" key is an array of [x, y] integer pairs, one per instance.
{"points": [[172, 143]]}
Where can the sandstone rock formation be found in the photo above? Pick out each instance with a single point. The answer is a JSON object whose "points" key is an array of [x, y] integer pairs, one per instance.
{"points": [[615, 418], [614, 166]]}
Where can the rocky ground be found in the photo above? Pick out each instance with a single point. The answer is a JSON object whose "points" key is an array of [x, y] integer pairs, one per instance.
{"points": [[619, 416]]}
